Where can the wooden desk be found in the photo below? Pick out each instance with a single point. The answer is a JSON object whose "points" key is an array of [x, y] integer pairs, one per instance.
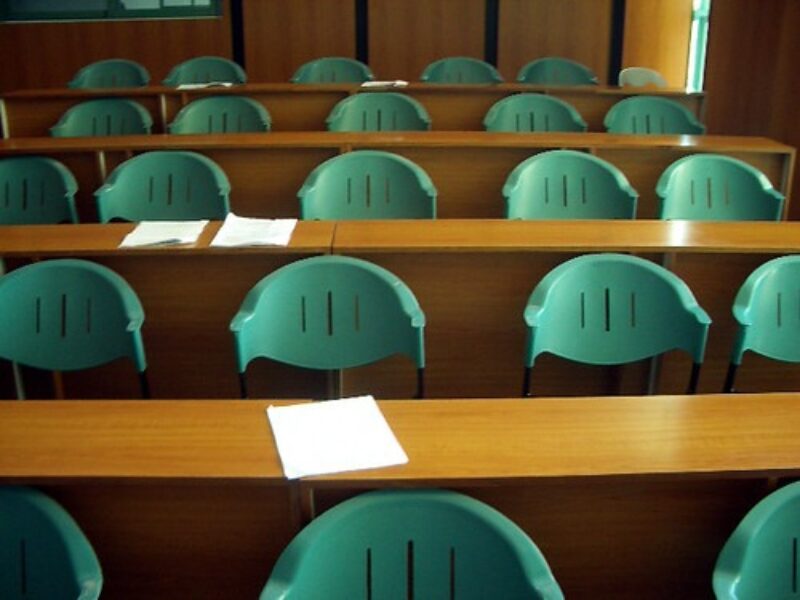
{"points": [[189, 295], [468, 168], [473, 278], [637, 490], [296, 107]]}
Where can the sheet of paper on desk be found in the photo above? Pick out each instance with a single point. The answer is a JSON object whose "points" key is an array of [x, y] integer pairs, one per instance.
{"points": [[333, 437], [243, 231], [163, 233], [200, 86]]}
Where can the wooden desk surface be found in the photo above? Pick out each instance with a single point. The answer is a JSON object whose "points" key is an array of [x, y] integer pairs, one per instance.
{"points": [[469, 235], [93, 239], [448, 442]]}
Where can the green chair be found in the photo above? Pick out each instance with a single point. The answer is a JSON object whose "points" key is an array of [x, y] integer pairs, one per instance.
{"points": [[554, 70], [460, 69], [205, 69], [36, 190], [69, 315], [760, 559], [368, 184], [640, 77], [651, 115], [611, 309], [533, 113], [565, 184], [44, 555], [111, 73], [411, 544], [164, 186], [102, 117], [379, 111], [222, 114], [333, 69], [329, 312], [712, 187], [767, 310]]}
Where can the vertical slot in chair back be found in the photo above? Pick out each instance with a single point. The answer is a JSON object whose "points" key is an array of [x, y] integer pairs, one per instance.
{"points": [[36, 190], [368, 184]]}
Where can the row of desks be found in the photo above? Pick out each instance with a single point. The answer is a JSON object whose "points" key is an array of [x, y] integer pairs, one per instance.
{"points": [[471, 277], [628, 497], [296, 107], [468, 168]]}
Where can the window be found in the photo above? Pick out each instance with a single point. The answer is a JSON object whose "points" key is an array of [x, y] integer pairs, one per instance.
{"points": [[697, 45], [57, 10]]}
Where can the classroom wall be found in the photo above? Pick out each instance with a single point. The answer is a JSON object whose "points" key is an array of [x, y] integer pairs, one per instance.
{"points": [[752, 80], [37, 55], [657, 36]]}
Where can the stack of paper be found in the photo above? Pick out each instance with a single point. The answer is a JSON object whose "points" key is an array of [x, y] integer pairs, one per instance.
{"points": [[243, 231], [163, 233], [333, 437]]}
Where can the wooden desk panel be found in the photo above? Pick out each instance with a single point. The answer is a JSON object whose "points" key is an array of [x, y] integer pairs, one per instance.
{"points": [[473, 278], [468, 169], [297, 107], [189, 295], [637, 489]]}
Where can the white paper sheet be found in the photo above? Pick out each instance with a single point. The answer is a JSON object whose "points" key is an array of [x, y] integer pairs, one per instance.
{"points": [[243, 231], [202, 86], [333, 437], [394, 83], [164, 233]]}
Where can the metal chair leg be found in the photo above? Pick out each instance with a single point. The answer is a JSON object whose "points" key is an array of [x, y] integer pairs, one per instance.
{"points": [[729, 378]]}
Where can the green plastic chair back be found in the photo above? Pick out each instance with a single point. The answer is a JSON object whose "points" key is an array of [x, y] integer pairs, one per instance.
{"points": [[111, 73], [460, 69], [641, 76], [205, 69], [554, 70], [67, 315], [611, 309], [533, 113], [438, 543], [329, 312], [565, 184], [222, 114], [651, 115], [36, 190], [712, 187], [767, 311], [164, 186], [333, 69], [44, 555], [368, 184], [104, 116], [759, 560], [379, 111]]}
